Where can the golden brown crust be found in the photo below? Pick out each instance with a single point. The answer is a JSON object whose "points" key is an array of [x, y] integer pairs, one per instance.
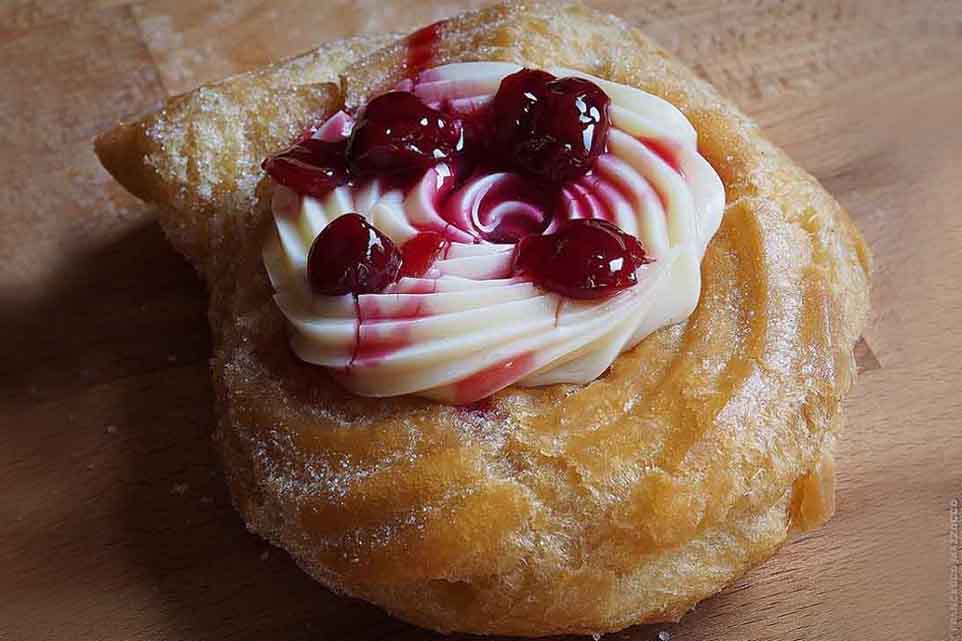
{"points": [[199, 156], [559, 509]]}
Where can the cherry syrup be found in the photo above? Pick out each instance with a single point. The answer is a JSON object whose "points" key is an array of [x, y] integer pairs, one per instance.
{"points": [[420, 47], [419, 253], [666, 152]]}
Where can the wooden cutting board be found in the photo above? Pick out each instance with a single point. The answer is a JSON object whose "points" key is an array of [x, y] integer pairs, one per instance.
{"points": [[114, 523]]}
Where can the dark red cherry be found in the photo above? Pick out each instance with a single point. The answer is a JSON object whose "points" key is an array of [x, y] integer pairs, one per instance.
{"points": [[311, 167], [419, 253], [552, 128], [575, 117], [515, 104], [585, 259], [396, 132], [350, 256]]}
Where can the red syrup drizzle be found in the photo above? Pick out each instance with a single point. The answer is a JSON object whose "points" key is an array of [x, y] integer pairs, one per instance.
{"points": [[372, 344], [496, 377], [420, 47], [422, 286], [577, 194], [371, 352], [357, 334], [377, 310], [666, 151], [420, 253]]}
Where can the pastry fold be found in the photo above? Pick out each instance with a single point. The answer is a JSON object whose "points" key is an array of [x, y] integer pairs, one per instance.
{"points": [[562, 509]]}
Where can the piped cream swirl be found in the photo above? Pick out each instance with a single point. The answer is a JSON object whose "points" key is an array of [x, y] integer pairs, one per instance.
{"points": [[467, 328]]}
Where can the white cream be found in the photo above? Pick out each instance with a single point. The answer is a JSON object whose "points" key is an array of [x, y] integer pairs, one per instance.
{"points": [[467, 328]]}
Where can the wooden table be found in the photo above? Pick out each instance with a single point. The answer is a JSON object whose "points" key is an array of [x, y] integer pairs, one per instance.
{"points": [[114, 523]]}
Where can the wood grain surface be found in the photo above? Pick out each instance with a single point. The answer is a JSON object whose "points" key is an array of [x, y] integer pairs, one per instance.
{"points": [[115, 524]]}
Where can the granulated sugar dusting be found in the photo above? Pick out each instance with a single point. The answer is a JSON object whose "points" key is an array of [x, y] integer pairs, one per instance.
{"points": [[581, 507]]}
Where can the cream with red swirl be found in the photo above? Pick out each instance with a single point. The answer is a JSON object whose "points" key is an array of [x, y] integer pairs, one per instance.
{"points": [[467, 328]]}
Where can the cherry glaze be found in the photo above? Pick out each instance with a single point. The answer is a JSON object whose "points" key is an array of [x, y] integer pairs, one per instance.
{"points": [[368, 351], [420, 47], [419, 253], [309, 166], [350, 256], [396, 132], [553, 128], [502, 208], [666, 152], [488, 381], [585, 259]]}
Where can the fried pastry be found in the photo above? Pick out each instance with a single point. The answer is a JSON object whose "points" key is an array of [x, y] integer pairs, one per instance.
{"points": [[553, 378]]}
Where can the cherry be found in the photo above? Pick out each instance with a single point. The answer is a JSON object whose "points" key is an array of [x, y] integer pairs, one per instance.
{"points": [[420, 252], [350, 256], [585, 259], [548, 127], [396, 132], [310, 166], [515, 103]]}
